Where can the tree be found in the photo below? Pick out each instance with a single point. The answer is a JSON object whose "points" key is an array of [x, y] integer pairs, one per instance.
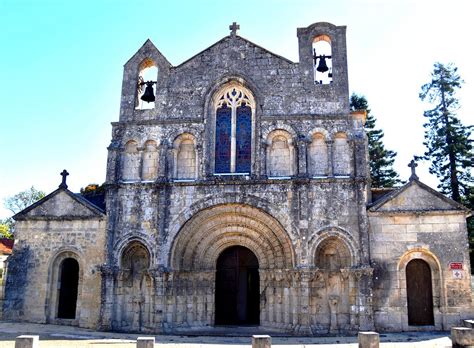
{"points": [[380, 159], [16, 204], [448, 142], [23, 199], [6, 228]]}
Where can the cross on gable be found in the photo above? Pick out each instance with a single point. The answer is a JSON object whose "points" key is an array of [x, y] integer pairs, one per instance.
{"points": [[64, 174], [413, 165], [233, 28]]}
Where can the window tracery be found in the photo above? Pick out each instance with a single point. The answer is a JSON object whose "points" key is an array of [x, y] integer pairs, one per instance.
{"points": [[233, 139]]}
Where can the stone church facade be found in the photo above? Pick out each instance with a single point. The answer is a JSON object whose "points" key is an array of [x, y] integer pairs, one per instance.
{"points": [[241, 196]]}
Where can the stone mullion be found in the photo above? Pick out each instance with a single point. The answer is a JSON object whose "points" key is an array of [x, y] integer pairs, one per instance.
{"points": [[233, 138]]}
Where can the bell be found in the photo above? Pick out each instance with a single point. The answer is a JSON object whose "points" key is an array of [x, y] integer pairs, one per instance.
{"points": [[322, 67], [149, 95]]}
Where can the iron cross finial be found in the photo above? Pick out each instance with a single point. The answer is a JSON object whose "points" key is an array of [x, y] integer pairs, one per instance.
{"points": [[64, 174], [413, 165], [233, 28]]}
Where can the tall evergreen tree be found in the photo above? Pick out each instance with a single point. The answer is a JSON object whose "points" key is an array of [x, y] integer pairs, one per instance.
{"points": [[447, 141], [380, 159]]}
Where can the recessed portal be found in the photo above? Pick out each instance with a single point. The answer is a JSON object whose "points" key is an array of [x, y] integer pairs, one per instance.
{"points": [[237, 287], [419, 293], [68, 282]]}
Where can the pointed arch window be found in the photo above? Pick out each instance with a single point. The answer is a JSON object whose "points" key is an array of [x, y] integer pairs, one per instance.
{"points": [[233, 142]]}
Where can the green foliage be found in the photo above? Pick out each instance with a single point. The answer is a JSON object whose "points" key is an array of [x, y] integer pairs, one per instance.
{"points": [[448, 143], [6, 227], [16, 204], [23, 199], [380, 159]]}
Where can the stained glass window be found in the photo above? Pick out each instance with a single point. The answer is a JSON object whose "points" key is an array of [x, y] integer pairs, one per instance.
{"points": [[233, 149], [243, 139], [223, 139]]}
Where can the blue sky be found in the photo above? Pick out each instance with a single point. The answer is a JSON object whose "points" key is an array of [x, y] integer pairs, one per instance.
{"points": [[61, 68]]}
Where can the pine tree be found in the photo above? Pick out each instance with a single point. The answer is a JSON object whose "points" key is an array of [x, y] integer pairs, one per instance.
{"points": [[448, 143], [380, 159]]}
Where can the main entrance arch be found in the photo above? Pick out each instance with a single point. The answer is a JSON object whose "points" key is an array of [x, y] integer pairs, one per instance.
{"points": [[237, 287]]}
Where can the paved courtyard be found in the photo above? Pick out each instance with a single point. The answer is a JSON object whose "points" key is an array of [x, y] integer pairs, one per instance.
{"points": [[70, 337]]}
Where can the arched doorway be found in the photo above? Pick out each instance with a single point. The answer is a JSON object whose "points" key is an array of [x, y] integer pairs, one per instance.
{"points": [[419, 293], [68, 284], [237, 288]]}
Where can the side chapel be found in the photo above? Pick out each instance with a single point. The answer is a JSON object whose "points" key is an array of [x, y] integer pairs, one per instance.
{"points": [[238, 193]]}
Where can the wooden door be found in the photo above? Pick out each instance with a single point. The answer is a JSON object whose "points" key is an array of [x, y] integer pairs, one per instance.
{"points": [[237, 288], [419, 293]]}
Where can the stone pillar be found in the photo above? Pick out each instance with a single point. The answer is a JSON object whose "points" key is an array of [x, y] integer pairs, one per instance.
{"points": [[333, 302], [107, 298], [364, 283], [329, 144], [462, 337], [113, 162], [145, 342], [304, 303], [26, 341], [368, 339], [302, 157], [261, 341]]}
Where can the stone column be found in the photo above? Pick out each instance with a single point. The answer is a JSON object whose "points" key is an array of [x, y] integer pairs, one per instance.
{"points": [[364, 285], [107, 296], [113, 162], [304, 302], [333, 302], [368, 339], [26, 341], [261, 341], [158, 302], [330, 170], [302, 156]]}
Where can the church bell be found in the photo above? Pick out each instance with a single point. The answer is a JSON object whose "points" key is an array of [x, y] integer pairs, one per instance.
{"points": [[149, 95], [322, 66]]}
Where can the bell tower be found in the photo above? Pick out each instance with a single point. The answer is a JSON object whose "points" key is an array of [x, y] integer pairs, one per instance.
{"points": [[323, 60]]}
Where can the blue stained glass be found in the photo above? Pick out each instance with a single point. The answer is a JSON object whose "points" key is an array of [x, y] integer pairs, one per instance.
{"points": [[223, 139], [244, 139]]}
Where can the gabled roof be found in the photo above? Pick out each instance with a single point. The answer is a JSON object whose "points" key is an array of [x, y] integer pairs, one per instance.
{"points": [[235, 39], [149, 49], [61, 204], [416, 197]]}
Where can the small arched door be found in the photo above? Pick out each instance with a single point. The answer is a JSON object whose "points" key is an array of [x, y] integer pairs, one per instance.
{"points": [[68, 284], [419, 293], [237, 288]]}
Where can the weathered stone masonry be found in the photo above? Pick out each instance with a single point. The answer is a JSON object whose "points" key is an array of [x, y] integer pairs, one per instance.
{"points": [[241, 148]]}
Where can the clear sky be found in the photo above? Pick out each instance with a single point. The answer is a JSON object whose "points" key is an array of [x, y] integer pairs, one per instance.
{"points": [[61, 68]]}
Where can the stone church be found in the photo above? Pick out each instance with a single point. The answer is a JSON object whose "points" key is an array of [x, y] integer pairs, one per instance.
{"points": [[238, 193]]}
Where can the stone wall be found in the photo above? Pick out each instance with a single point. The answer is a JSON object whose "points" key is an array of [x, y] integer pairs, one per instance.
{"points": [[32, 283], [436, 238]]}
